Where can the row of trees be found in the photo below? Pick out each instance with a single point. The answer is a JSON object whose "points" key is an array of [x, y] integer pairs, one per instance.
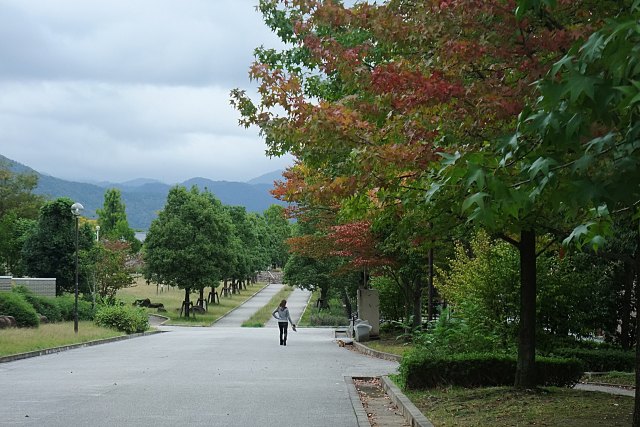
{"points": [[195, 241], [418, 122]]}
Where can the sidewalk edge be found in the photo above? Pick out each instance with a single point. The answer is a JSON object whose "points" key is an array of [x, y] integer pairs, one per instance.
{"points": [[409, 410], [375, 353], [20, 356], [356, 403]]}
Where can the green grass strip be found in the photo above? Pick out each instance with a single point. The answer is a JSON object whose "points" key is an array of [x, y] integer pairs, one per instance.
{"points": [[263, 315]]}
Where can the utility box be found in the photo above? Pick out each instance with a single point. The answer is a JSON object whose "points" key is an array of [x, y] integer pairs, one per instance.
{"points": [[362, 331], [369, 309]]}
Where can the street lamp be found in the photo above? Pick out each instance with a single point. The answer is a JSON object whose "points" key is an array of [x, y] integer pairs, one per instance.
{"points": [[76, 210]]}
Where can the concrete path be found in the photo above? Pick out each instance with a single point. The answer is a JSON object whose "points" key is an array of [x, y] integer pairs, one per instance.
{"points": [[246, 310], [296, 303], [189, 377], [606, 389]]}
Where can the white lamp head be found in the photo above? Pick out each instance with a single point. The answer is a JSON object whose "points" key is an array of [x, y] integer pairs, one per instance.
{"points": [[76, 209]]}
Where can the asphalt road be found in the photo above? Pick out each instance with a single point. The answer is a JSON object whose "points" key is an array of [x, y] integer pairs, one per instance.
{"points": [[189, 377]]}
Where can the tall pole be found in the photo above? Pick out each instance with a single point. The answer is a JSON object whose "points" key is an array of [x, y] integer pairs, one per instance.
{"points": [[76, 210], [75, 305]]}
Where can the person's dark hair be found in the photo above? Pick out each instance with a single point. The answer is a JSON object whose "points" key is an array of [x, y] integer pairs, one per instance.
{"points": [[283, 303]]}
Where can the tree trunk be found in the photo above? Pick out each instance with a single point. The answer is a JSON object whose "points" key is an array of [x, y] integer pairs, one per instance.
{"points": [[202, 298], [324, 297], [347, 302], [526, 370], [417, 303], [636, 410], [187, 291], [430, 303], [627, 303]]}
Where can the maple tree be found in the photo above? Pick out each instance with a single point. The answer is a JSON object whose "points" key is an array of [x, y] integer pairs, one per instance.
{"points": [[371, 98]]}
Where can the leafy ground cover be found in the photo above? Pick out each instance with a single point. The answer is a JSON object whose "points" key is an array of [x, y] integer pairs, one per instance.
{"points": [[172, 299], [263, 315], [22, 340], [504, 406]]}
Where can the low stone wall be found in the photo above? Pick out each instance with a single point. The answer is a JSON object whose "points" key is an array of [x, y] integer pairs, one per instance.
{"points": [[45, 287], [5, 283]]}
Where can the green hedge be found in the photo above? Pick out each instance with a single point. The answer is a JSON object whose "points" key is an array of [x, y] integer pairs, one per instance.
{"points": [[46, 306], [601, 360], [123, 318], [14, 304], [420, 370]]}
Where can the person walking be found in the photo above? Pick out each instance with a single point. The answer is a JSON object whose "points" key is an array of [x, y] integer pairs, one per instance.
{"points": [[281, 314]]}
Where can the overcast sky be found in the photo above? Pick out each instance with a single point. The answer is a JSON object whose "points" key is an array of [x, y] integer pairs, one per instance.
{"points": [[120, 89]]}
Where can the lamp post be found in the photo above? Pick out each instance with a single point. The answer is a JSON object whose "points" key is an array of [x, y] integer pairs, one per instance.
{"points": [[76, 210]]}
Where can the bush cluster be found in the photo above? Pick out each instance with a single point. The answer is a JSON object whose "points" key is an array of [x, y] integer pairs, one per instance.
{"points": [[123, 318], [14, 304], [420, 370], [601, 360], [46, 306]]}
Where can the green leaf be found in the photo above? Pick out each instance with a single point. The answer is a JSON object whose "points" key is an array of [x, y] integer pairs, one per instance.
{"points": [[476, 175], [540, 165], [474, 199]]}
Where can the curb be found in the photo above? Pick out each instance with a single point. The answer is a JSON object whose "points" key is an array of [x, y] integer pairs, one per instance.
{"points": [[409, 410], [356, 404], [19, 356], [375, 353]]}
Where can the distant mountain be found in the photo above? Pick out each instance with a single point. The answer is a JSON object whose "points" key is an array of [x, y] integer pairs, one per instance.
{"points": [[145, 197], [267, 178]]}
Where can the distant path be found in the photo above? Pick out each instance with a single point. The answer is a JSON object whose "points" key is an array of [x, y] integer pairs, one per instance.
{"points": [[606, 389], [246, 310], [296, 303]]}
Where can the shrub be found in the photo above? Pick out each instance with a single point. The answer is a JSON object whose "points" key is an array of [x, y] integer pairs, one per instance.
{"points": [[14, 304], [324, 318], [601, 360], [419, 370], [123, 318], [46, 306], [66, 303]]}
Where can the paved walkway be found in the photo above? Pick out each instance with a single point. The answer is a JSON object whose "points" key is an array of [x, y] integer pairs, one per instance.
{"points": [[296, 302], [246, 310], [606, 389], [192, 377]]}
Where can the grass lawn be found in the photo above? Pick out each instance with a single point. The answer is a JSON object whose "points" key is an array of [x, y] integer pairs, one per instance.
{"points": [[22, 340], [172, 299], [263, 315], [504, 406], [389, 343]]}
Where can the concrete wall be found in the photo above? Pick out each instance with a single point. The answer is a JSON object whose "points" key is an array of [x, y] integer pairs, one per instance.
{"points": [[369, 309], [39, 286], [5, 283]]}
